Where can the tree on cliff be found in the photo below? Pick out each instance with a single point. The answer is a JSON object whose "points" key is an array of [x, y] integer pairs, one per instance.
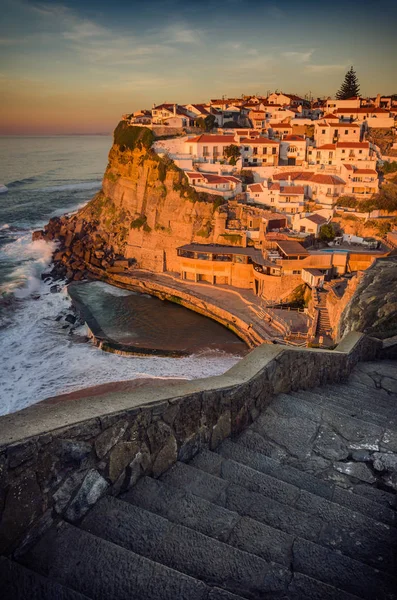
{"points": [[233, 153], [207, 124], [327, 232], [350, 87]]}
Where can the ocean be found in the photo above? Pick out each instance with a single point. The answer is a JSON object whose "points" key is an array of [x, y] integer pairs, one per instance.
{"points": [[40, 356]]}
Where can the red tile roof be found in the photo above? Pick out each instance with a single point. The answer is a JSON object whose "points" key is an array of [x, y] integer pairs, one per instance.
{"points": [[366, 172], [318, 219], [255, 187], [330, 116], [325, 147], [352, 145], [259, 140], [280, 125], [212, 178], [212, 139], [328, 179], [366, 110], [293, 176], [294, 138], [309, 176], [292, 190]]}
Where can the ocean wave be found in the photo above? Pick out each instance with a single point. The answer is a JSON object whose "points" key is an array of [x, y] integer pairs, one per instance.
{"points": [[31, 259], [20, 182], [71, 187], [40, 359]]}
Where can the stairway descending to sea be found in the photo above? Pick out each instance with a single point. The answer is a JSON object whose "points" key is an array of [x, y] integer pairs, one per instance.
{"points": [[296, 507]]}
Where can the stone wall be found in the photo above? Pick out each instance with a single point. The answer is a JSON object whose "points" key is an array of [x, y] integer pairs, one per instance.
{"points": [[58, 459]]}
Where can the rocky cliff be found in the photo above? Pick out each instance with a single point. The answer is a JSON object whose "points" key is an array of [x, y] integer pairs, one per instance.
{"points": [[145, 210], [373, 307]]}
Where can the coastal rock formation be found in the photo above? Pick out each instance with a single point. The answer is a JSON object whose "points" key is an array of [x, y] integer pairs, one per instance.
{"points": [[373, 307], [145, 210]]}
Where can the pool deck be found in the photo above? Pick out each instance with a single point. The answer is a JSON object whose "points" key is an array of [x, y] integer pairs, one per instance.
{"points": [[239, 310]]}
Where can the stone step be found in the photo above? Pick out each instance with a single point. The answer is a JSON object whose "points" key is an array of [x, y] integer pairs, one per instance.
{"points": [[315, 438], [363, 395], [213, 520], [344, 405], [304, 518], [188, 551], [241, 452], [104, 571], [183, 476], [347, 574], [229, 471], [359, 392], [245, 533], [19, 583]]}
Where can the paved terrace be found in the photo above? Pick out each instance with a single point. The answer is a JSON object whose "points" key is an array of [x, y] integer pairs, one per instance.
{"points": [[237, 309]]}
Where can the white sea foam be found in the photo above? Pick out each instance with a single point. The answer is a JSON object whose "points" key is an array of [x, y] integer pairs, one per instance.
{"points": [[32, 258], [40, 359]]}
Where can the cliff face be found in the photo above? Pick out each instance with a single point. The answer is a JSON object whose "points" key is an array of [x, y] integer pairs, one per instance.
{"points": [[146, 209], [373, 307]]}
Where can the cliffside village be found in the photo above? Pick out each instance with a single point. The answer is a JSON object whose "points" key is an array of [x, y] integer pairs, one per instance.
{"points": [[279, 164]]}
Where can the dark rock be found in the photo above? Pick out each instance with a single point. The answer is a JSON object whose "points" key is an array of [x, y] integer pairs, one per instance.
{"points": [[71, 319], [20, 453], [72, 451], [121, 456], [65, 492], [23, 504], [106, 440], [54, 289], [38, 235], [92, 488], [357, 470]]}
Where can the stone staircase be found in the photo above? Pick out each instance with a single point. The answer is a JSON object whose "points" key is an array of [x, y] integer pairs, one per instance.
{"points": [[300, 506], [323, 323]]}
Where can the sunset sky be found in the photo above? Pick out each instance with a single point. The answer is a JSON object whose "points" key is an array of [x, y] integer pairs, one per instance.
{"points": [[76, 66]]}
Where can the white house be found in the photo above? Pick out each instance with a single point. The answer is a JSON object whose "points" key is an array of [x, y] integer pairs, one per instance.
{"points": [[340, 152], [259, 151], [172, 115], [219, 185], [309, 223], [293, 150], [360, 182], [326, 132], [208, 147], [322, 188], [288, 199], [332, 105], [279, 130]]}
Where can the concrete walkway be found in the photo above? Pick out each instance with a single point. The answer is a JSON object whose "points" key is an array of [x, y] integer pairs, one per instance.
{"points": [[241, 303]]}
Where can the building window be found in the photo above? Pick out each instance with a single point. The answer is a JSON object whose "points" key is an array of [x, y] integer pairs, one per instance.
{"points": [[246, 148], [330, 154], [274, 151], [323, 131], [347, 131], [255, 150], [205, 150], [264, 150]]}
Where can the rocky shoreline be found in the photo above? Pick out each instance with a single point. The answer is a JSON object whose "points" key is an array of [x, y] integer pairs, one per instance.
{"points": [[80, 246]]}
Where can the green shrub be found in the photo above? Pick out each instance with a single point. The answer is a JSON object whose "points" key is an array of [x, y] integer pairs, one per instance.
{"points": [[138, 222], [128, 137], [233, 238], [347, 202]]}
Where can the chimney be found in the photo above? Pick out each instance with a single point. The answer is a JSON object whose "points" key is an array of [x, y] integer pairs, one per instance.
{"points": [[174, 110], [377, 101]]}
